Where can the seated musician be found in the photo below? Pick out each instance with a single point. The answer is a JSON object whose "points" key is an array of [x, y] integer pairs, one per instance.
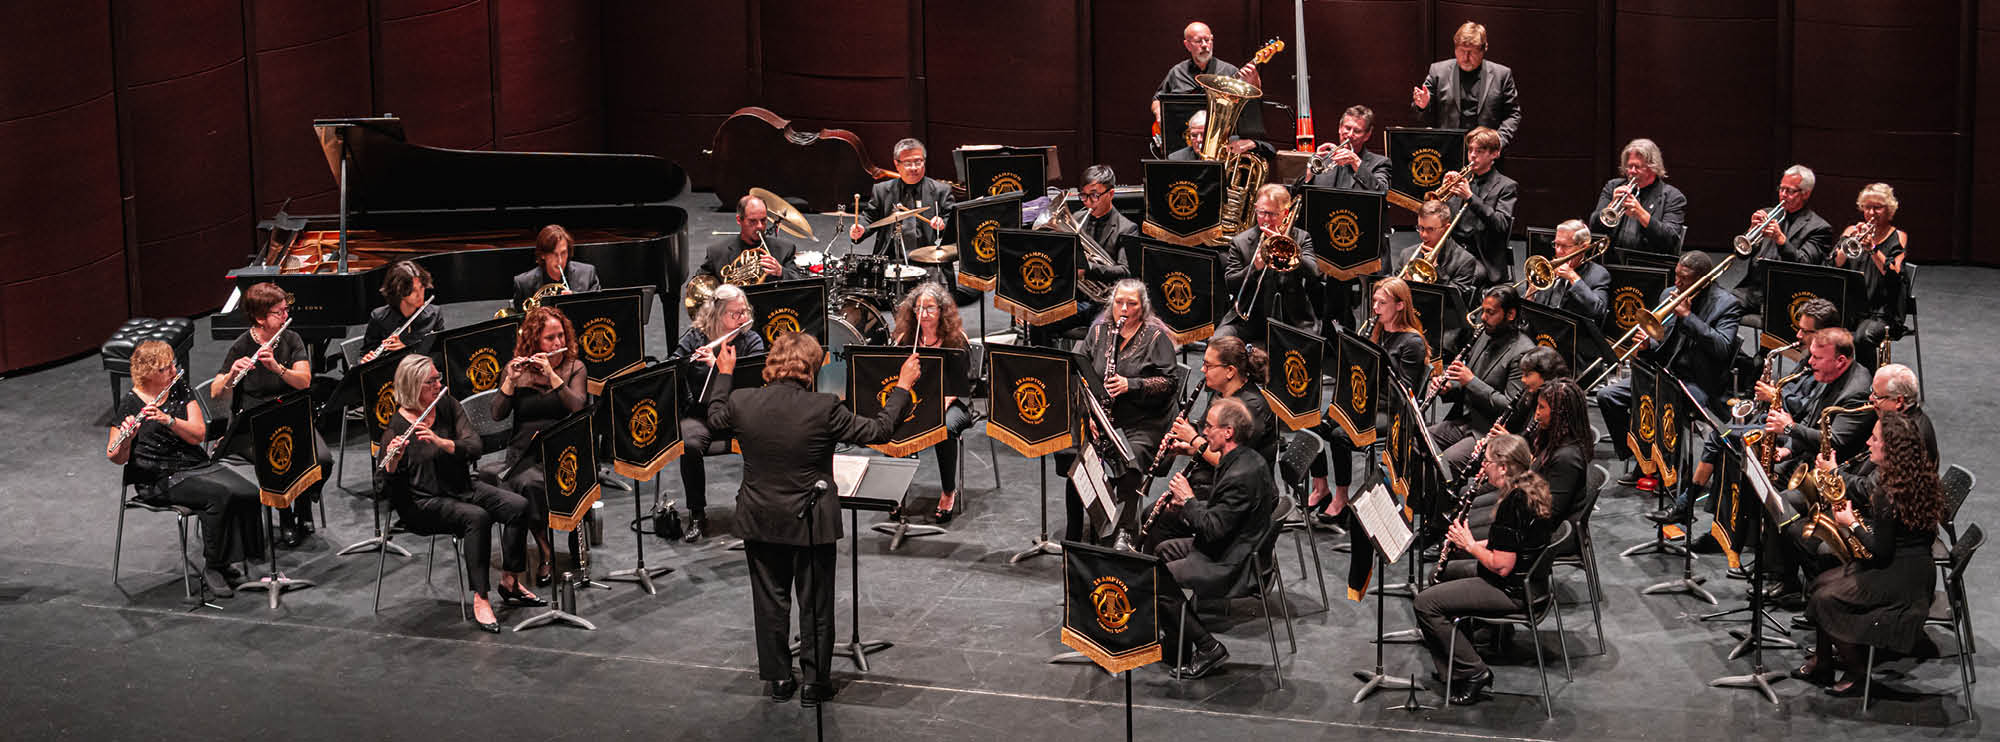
{"points": [[403, 289], [543, 384], [1108, 227], [1352, 165], [927, 318], [1488, 198], [1401, 335], [427, 454], [1200, 44], [165, 464], [756, 253], [1230, 369], [1583, 290], [1883, 599], [274, 364], [1197, 126], [1798, 235], [1895, 389], [911, 189], [1491, 577], [1261, 290], [1882, 248], [1467, 91], [1700, 342], [553, 267], [1228, 525], [721, 315], [1484, 384], [1455, 266], [1561, 443], [1654, 222], [1129, 356]]}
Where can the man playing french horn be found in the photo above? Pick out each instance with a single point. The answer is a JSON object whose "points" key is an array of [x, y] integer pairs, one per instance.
{"points": [[755, 254], [1269, 271]]}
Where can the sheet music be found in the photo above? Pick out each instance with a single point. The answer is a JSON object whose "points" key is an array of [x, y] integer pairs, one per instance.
{"points": [[1760, 481], [847, 472], [1092, 484], [1383, 519]]}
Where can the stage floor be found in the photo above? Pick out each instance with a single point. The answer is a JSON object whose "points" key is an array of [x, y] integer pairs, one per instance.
{"points": [[972, 632]]}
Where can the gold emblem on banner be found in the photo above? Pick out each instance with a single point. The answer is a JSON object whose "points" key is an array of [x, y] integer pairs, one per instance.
{"points": [[780, 322], [566, 465], [1626, 306], [385, 404], [1545, 340], [1179, 290], [882, 397], [599, 339], [279, 452], [1799, 300], [1357, 395], [1032, 399], [1038, 272], [1669, 434], [483, 369], [982, 240], [1007, 182], [1112, 604], [1183, 199], [1396, 435], [1343, 229], [645, 425], [1426, 167], [1297, 379], [1646, 422]]}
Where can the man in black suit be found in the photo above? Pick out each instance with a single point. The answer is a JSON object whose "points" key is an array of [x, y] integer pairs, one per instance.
{"points": [[1656, 221], [1353, 166], [1841, 382], [1455, 267], [1699, 345], [1484, 384], [753, 223], [912, 188], [1488, 198], [1468, 91], [1106, 226], [788, 433], [1799, 236], [553, 266], [1583, 289], [1260, 290], [1229, 525]]}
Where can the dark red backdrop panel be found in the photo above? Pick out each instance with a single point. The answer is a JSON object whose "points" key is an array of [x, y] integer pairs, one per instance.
{"points": [[310, 61], [1002, 73], [433, 67], [551, 76], [1985, 177], [672, 74]]}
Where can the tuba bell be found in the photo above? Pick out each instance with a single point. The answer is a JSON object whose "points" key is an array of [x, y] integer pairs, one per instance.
{"points": [[1241, 173], [697, 292]]}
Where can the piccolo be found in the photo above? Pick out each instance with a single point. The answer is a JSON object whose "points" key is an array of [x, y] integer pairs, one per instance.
{"points": [[130, 425], [238, 378], [384, 346]]}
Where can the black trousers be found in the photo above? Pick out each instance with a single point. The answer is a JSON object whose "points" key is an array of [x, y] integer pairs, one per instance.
{"points": [[225, 503], [695, 438], [1456, 439], [1459, 592], [471, 516], [1175, 552], [957, 419], [776, 571]]}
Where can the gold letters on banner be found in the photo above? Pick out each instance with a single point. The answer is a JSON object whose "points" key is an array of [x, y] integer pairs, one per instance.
{"points": [[1426, 167], [1626, 306], [1038, 272], [982, 240], [780, 322], [1358, 398], [566, 465], [882, 397], [1646, 422], [483, 369], [645, 425], [1297, 379], [385, 404], [1007, 182], [1543, 339], [279, 453], [1180, 292]]}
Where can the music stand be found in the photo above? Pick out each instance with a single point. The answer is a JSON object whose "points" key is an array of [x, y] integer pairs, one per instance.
{"points": [[574, 477], [372, 385], [644, 408], [1687, 582], [880, 487], [1379, 678], [280, 430], [1043, 376], [1767, 494]]}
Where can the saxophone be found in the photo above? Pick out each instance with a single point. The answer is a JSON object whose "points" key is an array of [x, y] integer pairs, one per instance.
{"points": [[1825, 489]]}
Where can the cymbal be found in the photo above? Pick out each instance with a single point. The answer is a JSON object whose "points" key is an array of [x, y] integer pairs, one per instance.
{"points": [[788, 218], [934, 255], [900, 215]]}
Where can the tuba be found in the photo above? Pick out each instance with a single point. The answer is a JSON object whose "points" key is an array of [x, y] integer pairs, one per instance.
{"points": [[1825, 489], [1241, 173], [697, 291], [1060, 219]]}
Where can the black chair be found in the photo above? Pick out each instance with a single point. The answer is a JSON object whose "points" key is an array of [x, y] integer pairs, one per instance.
{"points": [[1580, 552], [1908, 327], [182, 515], [1294, 474], [1537, 605], [1948, 609], [1265, 575]]}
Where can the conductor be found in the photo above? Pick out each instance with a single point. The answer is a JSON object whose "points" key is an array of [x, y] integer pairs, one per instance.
{"points": [[788, 432]]}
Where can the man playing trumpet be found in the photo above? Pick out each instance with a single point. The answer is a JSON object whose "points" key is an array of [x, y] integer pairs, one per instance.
{"points": [[1350, 164], [1794, 235], [1641, 211], [1488, 198]]}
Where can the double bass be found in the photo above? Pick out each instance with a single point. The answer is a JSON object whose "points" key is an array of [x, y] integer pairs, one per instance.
{"points": [[757, 148]]}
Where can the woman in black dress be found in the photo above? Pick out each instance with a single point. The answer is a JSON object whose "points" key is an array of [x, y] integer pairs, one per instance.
{"points": [[274, 364], [1401, 335], [428, 478], [543, 384], [927, 318], [1880, 600], [1129, 354], [164, 462], [1883, 248]]}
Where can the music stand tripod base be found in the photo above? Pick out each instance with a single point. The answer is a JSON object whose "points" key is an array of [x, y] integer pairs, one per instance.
{"points": [[1373, 681], [1041, 545], [900, 529], [559, 612], [1690, 585], [641, 575], [371, 545], [1761, 681], [1405, 636]]}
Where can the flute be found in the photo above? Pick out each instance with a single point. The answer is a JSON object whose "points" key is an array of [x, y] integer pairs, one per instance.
{"points": [[537, 357], [130, 425], [384, 345], [395, 448], [238, 378]]}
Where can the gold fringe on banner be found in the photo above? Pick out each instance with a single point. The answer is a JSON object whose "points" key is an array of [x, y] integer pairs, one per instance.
{"points": [[1668, 475], [569, 523], [1198, 239], [1291, 421], [645, 472], [1064, 311], [1396, 198], [1113, 663], [1030, 450], [1347, 274], [1361, 437], [1728, 549], [910, 447], [974, 282], [1397, 484], [1195, 335], [284, 499], [1640, 455]]}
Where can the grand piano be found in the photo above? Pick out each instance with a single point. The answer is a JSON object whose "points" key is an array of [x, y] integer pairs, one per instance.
{"points": [[470, 218]]}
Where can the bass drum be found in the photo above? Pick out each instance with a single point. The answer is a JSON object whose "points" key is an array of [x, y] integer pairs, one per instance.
{"points": [[851, 321]]}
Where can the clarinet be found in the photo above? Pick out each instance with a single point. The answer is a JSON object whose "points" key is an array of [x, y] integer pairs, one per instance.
{"points": [[1431, 395], [1164, 462]]}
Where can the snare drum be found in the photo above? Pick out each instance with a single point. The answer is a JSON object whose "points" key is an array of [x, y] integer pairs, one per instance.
{"points": [[898, 279], [851, 321]]}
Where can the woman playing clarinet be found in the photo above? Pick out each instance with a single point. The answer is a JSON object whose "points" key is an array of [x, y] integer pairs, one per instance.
{"points": [[1129, 354]]}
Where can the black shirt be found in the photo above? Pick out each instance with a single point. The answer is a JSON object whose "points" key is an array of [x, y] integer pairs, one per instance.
{"points": [[383, 321], [534, 409], [156, 450], [1180, 77], [1516, 530], [1112, 232], [425, 469], [1406, 353], [1468, 93], [262, 384]]}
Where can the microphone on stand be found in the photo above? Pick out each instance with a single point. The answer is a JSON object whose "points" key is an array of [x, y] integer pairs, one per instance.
{"points": [[819, 488]]}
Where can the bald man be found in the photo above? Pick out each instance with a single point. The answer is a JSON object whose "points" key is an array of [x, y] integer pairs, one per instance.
{"points": [[1200, 44]]}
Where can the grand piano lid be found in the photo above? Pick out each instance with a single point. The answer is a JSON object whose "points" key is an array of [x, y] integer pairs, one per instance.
{"points": [[387, 174]]}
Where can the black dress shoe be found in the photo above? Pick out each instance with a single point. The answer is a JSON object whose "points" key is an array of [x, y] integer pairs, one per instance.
{"points": [[814, 693], [944, 515], [1738, 573], [1791, 600], [490, 627], [781, 690], [518, 597], [1468, 691], [1849, 686], [1631, 478], [218, 585], [1802, 623], [696, 529], [1670, 516], [546, 574], [290, 537], [1813, 672], [1203, 662]]}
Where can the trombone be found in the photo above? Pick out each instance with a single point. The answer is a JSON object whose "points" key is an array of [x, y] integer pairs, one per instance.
{"points": [[1654, 322], [1423, 265], [1747, 242]]}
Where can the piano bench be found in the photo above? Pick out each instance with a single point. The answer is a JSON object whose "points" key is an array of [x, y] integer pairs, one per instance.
{"points": [[117, 351]]}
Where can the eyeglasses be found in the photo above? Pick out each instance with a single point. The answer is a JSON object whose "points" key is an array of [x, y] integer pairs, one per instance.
{"points": [[1790, 191], [927, 310], [912, 161], [1205, 365], [1090, 196], [738, 313]]}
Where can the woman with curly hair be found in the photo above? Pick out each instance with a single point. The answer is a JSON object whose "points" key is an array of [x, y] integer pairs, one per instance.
{"points": [[544, 383], [1560, 441], [1883, 599], [927, 318]]}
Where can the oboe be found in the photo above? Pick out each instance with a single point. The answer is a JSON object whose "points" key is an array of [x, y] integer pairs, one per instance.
{"points": [[130, 425], [238, 378], [384, 345]]}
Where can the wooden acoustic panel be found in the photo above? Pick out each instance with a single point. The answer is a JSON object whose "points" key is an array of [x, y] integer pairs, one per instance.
{"points": [[1002, 73], [672, 73], [434, 69], [551, 77]]}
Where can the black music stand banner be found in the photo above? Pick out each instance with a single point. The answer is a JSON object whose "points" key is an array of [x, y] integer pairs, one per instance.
{"points": [[1184, 284], [1788, 286], [1419, 158], [1183, 202], [994, 174], [1032, 398], [1346, 229], [1037, 276], [568, 452], [475, 355], [1644, 431], [282, 449], [645, 419], [1294, 389], [610, 332], [1674, 412], [1576, 338], [1730, 527], [749, 375], [1542, 241], [871, 375], [1442, 312], [788, 306], [378, 394], [1356, 366], [1631, 294], [1111, 606], [978, 257]]}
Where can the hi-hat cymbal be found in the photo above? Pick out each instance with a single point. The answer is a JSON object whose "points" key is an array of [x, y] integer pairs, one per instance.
{"points": [[901, 214], [788, 218], [934, 255]]}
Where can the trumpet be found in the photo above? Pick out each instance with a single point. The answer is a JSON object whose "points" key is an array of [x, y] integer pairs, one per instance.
{"points": [[1852, 244], [238, 378], [384, 345], [1448, 183], [1542, 271], [1747, 241], [1323, 162], [1614, 212], [130, 425]]}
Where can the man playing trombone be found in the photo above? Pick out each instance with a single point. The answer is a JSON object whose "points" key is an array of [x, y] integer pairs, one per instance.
{"points": [[1270, 283], [1655, 219], [1698, 344], [1793, 234], [1581, 285], [1453, 266]]}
